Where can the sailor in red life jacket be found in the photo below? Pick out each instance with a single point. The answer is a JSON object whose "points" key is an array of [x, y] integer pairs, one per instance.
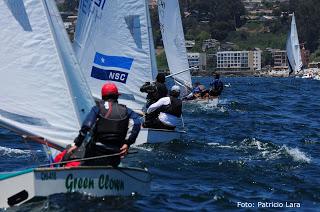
{"points": [[165, 112], [109, 125]]}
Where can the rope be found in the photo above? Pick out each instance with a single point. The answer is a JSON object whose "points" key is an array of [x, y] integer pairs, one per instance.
{"points": [[83, 159], [133, 177], [99, 157]]}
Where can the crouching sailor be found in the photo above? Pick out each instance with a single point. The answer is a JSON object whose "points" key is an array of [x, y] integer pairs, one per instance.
{"points": [[108, 123], [165, 113]]}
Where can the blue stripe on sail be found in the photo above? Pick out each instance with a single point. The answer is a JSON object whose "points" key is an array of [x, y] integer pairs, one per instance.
{"points": [[111, 75], [113, 61]]}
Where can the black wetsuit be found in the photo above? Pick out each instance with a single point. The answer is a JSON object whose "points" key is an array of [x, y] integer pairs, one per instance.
{"points": [[155, 92]]}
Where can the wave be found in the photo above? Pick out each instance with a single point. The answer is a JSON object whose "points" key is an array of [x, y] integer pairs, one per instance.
{"points": [[257, 150], [296, 154], [6, 151]]}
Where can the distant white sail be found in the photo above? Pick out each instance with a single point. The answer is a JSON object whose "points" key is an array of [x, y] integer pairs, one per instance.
{"points": [[113, 43], [293, 48], [173, 40], [42, 92]]}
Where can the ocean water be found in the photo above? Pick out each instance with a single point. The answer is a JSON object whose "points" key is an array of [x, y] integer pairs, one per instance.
{"points": [[260, 145]]}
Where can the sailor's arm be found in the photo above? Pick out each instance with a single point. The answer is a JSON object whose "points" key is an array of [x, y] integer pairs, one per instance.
{"points": [[87, 125], [134, 132], [136, 127], [158, 104]]}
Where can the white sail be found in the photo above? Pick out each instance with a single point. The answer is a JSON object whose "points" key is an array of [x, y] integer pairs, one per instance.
{"points": [[293, 48], [42, 92], [173, 40], [112, 43]]}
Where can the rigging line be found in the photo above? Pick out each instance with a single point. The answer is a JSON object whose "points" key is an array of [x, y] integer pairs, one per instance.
{"points": [[85, 159], [135, 178]]}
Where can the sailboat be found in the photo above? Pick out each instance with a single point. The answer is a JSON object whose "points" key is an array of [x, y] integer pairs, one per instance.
{"points": [[114, 42], [293, 49], [45, 98], [174, 45]]}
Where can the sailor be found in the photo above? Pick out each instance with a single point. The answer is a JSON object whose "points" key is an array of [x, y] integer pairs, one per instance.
{"points": [[155, 90], [108, 123], [165, 113], [217, 87], [198, 91]]}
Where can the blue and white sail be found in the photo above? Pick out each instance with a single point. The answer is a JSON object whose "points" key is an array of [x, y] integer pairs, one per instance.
{"points": [[293, 49], [42, 91], [173, 40], [113, 42]]}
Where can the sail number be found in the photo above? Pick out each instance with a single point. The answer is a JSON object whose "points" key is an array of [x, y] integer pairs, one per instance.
{"points": [[48, 176]]}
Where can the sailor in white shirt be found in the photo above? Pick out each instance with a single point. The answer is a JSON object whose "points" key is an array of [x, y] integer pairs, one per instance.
{"points": [[166, 112]]}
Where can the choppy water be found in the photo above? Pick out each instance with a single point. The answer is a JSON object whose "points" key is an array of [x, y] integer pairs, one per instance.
{"points": [[261, 144]]}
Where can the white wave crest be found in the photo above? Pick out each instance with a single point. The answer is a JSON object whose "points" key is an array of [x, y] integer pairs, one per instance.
{"points": [[220, 146], [13, 152], [148, 149], [297, 154]]}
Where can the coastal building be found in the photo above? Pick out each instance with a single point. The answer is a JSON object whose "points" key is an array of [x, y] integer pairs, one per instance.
{"points": [[305, 55], [239, 60], [190, 43], [198, 61], [279, 58], [210, 43]]}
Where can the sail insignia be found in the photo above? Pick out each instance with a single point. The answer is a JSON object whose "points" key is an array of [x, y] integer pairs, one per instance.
{"points": [[124, 35]]}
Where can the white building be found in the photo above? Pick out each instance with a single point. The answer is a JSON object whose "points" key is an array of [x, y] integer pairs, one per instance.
{"points": [[239, 60], [190, 43], [197, 61]]}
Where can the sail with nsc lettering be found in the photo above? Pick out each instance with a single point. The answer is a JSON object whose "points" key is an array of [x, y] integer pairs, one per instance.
{"points": [[173, 40], [42, 93], [113, 42], [293, 49]]}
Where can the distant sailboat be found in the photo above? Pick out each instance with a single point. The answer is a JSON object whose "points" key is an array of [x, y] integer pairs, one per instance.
{"points": [[174, 42], [45, 98], [293, 49], [115, 43], [174, 45]]}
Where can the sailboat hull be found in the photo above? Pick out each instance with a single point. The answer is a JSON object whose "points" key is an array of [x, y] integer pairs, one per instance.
{"points": [[212, 102], [93, 181], [147, 135]]}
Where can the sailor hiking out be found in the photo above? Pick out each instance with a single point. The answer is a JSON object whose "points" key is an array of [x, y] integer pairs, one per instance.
{"points": [[165, 113], [108, 122]]}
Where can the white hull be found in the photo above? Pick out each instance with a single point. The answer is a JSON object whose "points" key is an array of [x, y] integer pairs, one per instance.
{"points": [[212, 102], [93, 181], [147, 135]]}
